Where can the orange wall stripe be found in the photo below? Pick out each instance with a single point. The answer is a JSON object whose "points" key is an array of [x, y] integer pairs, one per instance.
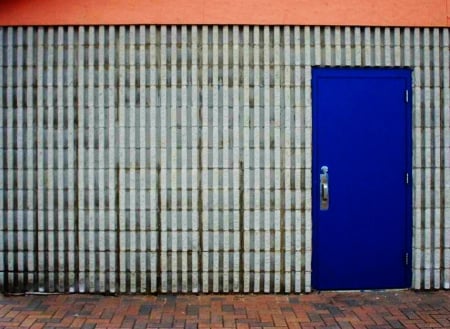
{"points": [[425, 13]]}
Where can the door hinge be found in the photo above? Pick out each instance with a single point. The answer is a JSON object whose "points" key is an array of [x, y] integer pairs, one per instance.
{"points": [[406, 96], [407, 178], [406, 259]]}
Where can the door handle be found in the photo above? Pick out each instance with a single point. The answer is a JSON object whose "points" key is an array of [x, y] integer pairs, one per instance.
{"points": [[324, 189]]}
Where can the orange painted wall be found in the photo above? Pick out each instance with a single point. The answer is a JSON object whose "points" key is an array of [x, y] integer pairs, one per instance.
{"points": [[259, 12]]}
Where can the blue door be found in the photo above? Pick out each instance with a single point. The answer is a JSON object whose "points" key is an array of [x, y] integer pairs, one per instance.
{"points": [[361, 178]]}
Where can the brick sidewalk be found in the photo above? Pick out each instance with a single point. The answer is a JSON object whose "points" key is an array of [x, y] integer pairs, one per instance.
{"points": [[352, 310]]}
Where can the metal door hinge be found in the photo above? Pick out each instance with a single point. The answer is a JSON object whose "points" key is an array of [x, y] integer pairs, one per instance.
{"points": [[407, 178], [406, 96], [406, 259]]}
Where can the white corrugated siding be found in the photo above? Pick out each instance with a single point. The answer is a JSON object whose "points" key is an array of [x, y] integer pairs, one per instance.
{"points": [[178, 158]]}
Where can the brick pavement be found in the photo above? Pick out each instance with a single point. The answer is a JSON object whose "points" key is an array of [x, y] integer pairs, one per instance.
{"points": [[345, 310]]}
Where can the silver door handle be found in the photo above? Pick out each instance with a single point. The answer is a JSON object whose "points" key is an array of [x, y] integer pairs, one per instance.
{"points": [[324, 189]]}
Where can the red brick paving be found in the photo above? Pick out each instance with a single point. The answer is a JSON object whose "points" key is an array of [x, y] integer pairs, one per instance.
{"points": [[331, 310]]}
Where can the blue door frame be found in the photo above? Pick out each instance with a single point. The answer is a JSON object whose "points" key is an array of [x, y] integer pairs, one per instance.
{"points": [[362, 205]]}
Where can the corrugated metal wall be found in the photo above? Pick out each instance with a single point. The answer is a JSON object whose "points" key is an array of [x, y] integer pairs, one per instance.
{"points": [[178, 159]]}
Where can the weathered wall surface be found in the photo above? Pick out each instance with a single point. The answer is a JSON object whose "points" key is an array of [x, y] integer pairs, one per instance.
{"points": [[178, 158]]}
